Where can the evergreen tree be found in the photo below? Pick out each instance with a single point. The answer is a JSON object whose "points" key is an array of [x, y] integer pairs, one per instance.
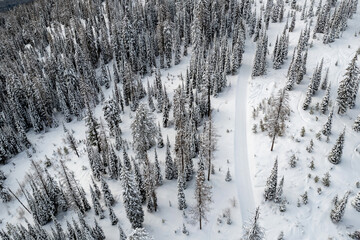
{"points": [[72, 142], [140, 181], [92, 130], [157, 173], [108, 197], [160, 141], [279, 191], [335, 155], [339, 209], [293, 20], [356, 202], [181, 195], [131, 198], [348, 87], [202, 196], [208, 143], [96, 204], [143, 131], [113, 164], [97, 232], [356, 126], [113, 218], [324, 83], [278, 113], [325, 100], [327, 126], [228, 176], [140, 234], [169, 164], [259, 67], [254, 231], [121, 233], [271, 183], [112, 112], [308, 97], [96, 188]]}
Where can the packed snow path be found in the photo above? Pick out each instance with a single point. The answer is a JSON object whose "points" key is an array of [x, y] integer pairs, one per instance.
{"points": [[242, 170]]}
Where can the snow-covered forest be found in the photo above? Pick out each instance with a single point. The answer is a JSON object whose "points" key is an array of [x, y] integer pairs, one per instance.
{"points": [[180, 119]]}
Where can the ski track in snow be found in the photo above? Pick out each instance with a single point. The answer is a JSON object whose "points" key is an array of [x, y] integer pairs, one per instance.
{"points": [[242, 169]]}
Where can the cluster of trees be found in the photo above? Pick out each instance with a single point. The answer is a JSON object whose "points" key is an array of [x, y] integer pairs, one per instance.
{"points": [[297, 67], [74, 230], [48, 197], [214, 57], [280, 49], [332, 23], [4, 192], [273, 191]]}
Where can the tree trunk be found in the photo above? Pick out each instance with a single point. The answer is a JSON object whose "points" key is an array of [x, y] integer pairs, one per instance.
{"points": [[209, 160], [76, 151], [273, 141]]}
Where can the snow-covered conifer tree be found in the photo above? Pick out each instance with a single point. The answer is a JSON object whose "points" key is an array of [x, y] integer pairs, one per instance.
{"points": [[271, 183], [335, 155]]}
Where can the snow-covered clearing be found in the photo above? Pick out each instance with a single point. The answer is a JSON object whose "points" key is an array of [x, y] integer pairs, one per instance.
{"points": [[311, 221]]}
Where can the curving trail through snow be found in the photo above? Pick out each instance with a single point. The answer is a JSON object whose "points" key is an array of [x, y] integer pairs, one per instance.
{"points": [[242, 168]]}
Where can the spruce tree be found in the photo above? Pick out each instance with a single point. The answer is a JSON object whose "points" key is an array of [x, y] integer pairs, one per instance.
{"points": [[348, 87], [271, 183], [108, 197], [279, 112], [121, 233], [96, 204], [279, 191], [72, 142], [339, 209], [325, 100], [157, 174], [149, 181], [356, 126], [254, 231], [113, 218], [113, 163], [143, 131], [228, 176], [140, 234], [324, 84], [202, 196], [356, 202], [131, 198], [327, 126], [308, 97], [97, 232], [140, 181], [181, 195], [160, 141], [169, 164], [92, 130], [335, 155]]}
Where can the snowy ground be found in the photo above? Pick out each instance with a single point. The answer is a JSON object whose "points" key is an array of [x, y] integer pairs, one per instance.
{"points": [[247, 155], [311, 221], [243, 179]]}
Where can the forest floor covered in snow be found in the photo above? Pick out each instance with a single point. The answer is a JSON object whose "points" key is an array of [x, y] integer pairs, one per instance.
{"points": [[246, 154]]}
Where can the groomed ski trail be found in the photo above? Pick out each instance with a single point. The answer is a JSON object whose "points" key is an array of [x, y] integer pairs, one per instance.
{"points": [[242, 168]]}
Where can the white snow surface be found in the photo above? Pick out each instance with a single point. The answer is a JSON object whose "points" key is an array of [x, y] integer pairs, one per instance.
{"points": [[246, 154], [242, 169]]}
